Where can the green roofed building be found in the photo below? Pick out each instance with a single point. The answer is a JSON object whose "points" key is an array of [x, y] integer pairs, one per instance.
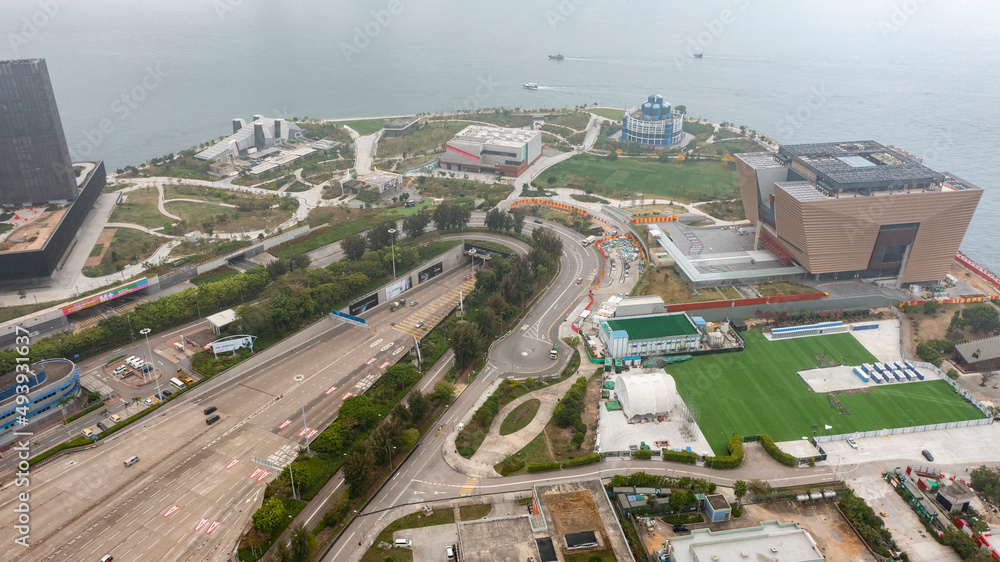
{"points": [[654, 334]]}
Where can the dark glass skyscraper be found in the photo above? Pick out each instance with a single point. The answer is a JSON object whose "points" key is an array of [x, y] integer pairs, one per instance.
{"points": [[35, 165]]}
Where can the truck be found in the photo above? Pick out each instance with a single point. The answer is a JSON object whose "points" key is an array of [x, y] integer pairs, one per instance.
{"points": [[554, 353], [396, 305]]}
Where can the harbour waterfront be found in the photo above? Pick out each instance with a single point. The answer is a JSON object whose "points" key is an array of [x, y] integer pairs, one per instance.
{"points": [[140, 78]]}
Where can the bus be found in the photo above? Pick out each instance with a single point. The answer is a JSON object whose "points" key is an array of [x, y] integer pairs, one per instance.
{"points": [[177, 382], [554, 354]]}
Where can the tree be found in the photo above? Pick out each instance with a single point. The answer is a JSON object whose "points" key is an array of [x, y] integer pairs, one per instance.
{"points": [[681, 499], [467, 343], [443, 391], [267, 518], [986, 377], [418, 404], [489, 323], [354, 246], [758, 487], [361, 410], [303, 543], [22, 295], [518, 221], [415, 224], [740, 489], [404, 196], [378, 236], [930, 307], [982, 318], [282, 553], [358, 471]]}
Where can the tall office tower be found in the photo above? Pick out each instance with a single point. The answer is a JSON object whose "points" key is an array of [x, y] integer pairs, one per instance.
{"points": [[35, 165]]}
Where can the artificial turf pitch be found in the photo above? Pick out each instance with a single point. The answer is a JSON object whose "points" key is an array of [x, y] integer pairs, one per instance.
{"points": [[758, 391]]}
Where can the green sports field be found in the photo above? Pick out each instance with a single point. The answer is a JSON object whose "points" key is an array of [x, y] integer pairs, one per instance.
{"points": [[759, 391]]}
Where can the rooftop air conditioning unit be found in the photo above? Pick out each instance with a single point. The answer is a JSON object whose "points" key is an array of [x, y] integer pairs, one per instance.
{"points": [[745, 554], [774, 549]]}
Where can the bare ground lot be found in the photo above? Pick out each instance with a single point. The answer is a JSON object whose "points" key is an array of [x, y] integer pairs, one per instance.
{"points": [[824, 522]]}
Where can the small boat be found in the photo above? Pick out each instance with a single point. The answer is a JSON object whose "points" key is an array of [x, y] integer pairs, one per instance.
{"points": [[557, 56], [698, 55], [531, 86]]}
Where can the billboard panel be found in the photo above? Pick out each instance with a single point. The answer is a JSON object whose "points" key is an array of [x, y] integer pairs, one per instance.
{"points": [[233, 344], [104, 297], [431, 272], [398, 287], [362, 305]]}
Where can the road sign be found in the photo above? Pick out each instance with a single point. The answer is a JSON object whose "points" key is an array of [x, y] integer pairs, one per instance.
{"points": [[347, 317]]}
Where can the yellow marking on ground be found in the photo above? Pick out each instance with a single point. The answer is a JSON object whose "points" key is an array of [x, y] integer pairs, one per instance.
{"points": [[469, 486]]}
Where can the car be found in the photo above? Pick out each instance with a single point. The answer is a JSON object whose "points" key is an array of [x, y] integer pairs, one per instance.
{"points": [[413, 303], [420, 324], [158, 396], [680, 528], [580, 280], [120, 370], [538, 221], [115, 418], [209, 410], [852, 442], [107, 558], [167, 392], [449, 551], [148, 401], [927, 455], [212, 419], [87, 432], [101, 426]]}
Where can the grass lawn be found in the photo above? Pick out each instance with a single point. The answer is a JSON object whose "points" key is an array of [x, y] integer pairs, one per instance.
{"points": [[216, 275], [430, 137], [523, 415], [128, 246], [759, 391], [140, 208], [679, 181], [363, 126], [732, 146], [478, 511], [613, 114], [197, 213], [668, 284], [784, 288]]}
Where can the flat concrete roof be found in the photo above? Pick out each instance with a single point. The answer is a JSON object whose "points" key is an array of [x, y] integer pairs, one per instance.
{"points": [[656, 326], [773, 541]]}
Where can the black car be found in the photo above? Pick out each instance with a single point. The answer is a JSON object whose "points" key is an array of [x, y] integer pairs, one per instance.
{"points": [[539, 221], [167, 393], [927, 455], [210, 409], [101, 426], [680, 528]]}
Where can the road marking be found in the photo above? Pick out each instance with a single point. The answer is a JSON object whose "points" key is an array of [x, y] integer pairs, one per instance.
{"points": [[470, 486], [170, 511], [370, 361], [285, 424], [347, 395], [330, 390], [232, 463], [261, 478], [212, 527], [200, 524], [312, 433], [398, 350], [384, 365], [387, 347], [304, 431], [256, 472], [376, 342]]}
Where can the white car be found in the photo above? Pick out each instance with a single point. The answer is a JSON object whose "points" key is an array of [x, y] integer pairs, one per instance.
{"points": [[852, 442]]}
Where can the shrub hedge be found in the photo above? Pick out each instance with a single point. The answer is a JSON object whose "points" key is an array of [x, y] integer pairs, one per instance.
{"points": [[553, 465], [776, 453], [735, 457], [687, 457], [643, 455]]}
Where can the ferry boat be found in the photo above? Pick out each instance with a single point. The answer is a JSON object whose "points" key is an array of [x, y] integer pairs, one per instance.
{"points": [[531, 86]]}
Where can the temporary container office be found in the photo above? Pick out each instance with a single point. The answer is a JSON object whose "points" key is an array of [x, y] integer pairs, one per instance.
{"points": [[878, 368], [876, 378], [908, 364], [907, 375], [861, 374], [899, 366], [866, 368], [897, 377]]}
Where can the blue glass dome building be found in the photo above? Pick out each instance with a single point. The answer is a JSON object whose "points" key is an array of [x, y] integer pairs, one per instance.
{"points": [[654, 122]]}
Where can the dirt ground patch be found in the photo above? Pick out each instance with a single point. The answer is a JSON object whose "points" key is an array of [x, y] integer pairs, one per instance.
{"points": [[975, 281], [106, 236], [574, 512], [824, 522]]}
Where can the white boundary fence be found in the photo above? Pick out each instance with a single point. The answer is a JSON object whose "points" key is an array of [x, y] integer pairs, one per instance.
{"points": [[988, 419]]}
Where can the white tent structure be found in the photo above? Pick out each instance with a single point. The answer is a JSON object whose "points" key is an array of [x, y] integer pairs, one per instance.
{"points": [[645, 396]]}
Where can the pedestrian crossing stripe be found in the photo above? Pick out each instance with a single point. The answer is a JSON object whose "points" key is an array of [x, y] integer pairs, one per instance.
{"points": [[469, 486]]}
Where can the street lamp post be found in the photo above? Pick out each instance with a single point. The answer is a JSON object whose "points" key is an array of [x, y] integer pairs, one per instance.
{"points": [[392, 244], [145, 332], [389, 450], [298, 380], [130, 332]]}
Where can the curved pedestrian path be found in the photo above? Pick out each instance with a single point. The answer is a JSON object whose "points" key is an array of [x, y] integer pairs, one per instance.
{"points": [[138, 227], [496, 447], [201, 201]]}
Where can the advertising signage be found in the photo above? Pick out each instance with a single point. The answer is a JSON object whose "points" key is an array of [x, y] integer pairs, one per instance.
{"points": [[431, 272], [364, 304], [398, 287], [104, 297], [238, 342]]}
